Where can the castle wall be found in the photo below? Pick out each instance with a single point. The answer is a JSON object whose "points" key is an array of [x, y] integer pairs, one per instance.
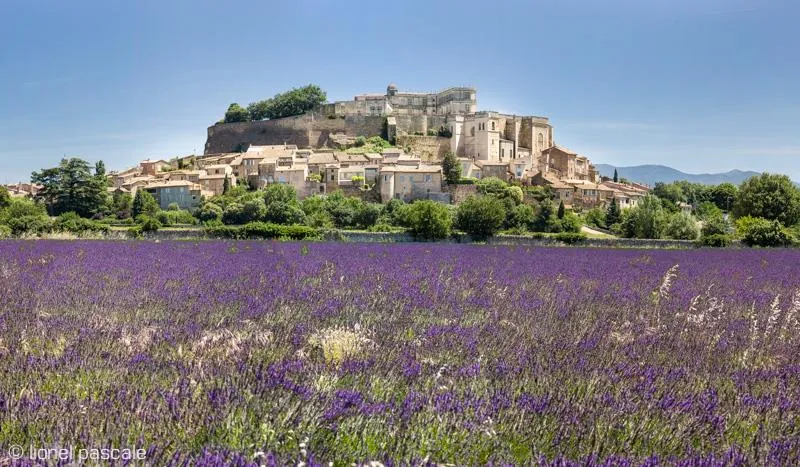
{"points": [[431, 149], [311, 130]]}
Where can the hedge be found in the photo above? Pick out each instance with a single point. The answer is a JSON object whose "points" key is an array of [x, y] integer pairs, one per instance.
{"points": [[262, 230]]}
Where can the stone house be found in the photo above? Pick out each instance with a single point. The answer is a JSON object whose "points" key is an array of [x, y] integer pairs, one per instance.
{"points": [[185, 194], [118, 179], [410, 182], [215, 182], [151, 167], [318, 161]]}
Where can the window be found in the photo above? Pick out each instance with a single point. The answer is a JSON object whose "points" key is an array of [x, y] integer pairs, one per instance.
{"points": [[472, 131], [428, 178], [541, 140], [385, 178], [402, 178], [492, 125]]}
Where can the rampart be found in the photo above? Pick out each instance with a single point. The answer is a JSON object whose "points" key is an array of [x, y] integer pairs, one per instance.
{"points": [[310, 130]]}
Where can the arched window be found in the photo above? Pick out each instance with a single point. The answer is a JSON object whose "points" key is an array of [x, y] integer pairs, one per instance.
{"points": [[472, 131], [492, 125], [541, 140]]}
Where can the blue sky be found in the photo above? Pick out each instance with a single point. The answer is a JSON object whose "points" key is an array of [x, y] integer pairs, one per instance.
{"points": [[699, 85]]}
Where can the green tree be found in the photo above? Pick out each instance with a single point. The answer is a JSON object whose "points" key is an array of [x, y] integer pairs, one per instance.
{"points": [[724, 195], [492, 186], [616, 176], [669, 191], [429, 220], [226, 185], [100, 169], [560, 213], [121, 204], [681, 226], [544, 217], [570, 222], [144, 203], [596, 217], [5, 197], [480, 216], [646, 220], [520, 217], [707, 210], [451, 168], [294, 102], [280, 192], [210, 212], [765, 232], [613, 214], [236, 113], [770, 196], [71, 187], [716, 225]]}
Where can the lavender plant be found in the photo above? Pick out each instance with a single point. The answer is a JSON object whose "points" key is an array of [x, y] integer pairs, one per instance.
{"points": [[274, 353]]}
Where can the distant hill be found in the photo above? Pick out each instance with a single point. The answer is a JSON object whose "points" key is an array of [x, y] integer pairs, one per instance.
{"points": [[650, 174]]}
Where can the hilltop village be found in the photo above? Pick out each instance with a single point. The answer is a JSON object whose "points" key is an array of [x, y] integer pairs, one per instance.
{"points": [[346, 146]]}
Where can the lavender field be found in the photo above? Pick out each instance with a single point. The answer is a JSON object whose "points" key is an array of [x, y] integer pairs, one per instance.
{"points": [[248, 353]]}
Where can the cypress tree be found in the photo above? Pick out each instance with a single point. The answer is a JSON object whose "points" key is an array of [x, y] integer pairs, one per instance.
{"points": [[613, 214], [226, 185], [616, 177], [561, 210]]}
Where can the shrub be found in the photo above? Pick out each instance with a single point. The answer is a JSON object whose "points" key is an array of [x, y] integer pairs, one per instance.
{"points": [[148, 224], [681, 226], [714, 226], [30, 224], [173, 207], [5, 231], [181, 216], [766, 233], [715, 240], [646, 220], [72, 222], [280, 192], [367, 215], [570, 238], [428, 220], [265, 230], [480, 216], [222, 231], [281, 212], [596, 217], [163, 218], [209, 212], [520, 217], [298, 232], [260, 230], [570, 223], [467, 181]]}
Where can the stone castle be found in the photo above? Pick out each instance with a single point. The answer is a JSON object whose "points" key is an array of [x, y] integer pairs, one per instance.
{"points": [[410, 118]]}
